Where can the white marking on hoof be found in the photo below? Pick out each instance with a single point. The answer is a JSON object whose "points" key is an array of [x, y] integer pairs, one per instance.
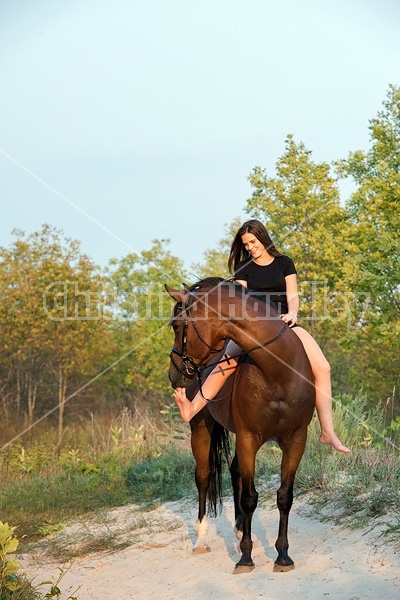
{"points": [[202, 546]]}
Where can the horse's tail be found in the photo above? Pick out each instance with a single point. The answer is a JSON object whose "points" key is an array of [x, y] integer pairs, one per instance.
{"points": [[220, 446]]}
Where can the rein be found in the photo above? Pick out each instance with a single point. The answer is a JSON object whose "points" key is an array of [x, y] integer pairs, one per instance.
{"points": [[226, 359], [191, 367]]}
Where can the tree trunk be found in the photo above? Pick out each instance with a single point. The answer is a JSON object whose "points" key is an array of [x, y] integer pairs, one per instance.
{"points": [[5, 413], [18, 396], [32, 394], [62, 388]]}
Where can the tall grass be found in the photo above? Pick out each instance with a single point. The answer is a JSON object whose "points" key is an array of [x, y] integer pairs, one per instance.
{"points": [[162, 478], [362, 487], [106, 464], [41, 490]]}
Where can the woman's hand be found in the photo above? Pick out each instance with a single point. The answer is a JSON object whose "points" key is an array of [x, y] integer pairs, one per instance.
{"points": [[290, 317]]}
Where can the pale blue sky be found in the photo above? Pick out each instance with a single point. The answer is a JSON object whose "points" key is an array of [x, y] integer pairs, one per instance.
{"points": [[128, 120]]}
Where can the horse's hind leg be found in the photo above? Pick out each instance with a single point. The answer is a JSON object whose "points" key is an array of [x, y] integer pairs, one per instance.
{"points": [[293, 450], [201, 442]]}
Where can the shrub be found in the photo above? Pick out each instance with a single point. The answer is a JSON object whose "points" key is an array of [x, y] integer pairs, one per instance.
{"points": [[15, 586], [164, 478], [38, 501]]}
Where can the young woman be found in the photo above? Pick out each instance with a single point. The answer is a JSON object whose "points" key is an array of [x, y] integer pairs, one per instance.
{"points": [[259, 267]]}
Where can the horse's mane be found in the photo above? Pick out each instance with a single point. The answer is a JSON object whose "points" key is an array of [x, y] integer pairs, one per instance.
{"points": [[206, 283], [220, 282], [202, 284]]}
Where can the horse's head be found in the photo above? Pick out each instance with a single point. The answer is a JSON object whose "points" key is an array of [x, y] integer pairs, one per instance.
{"points": [[196, 330]]}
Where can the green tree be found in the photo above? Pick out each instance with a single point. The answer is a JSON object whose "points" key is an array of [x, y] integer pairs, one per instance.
{"points": [[301, 209], [142, 310], [373, 272], [52, 324]]}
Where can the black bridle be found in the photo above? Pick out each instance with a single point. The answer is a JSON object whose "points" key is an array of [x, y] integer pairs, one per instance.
{"points": [[191, 368]]}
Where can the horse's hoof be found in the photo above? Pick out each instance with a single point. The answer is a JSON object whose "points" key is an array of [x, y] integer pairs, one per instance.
{"points": [[201, 549], [283, 568], [239, 569]]}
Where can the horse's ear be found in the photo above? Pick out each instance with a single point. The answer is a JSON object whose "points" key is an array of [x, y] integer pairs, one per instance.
{"points": [[186, 287], [177, 295]]}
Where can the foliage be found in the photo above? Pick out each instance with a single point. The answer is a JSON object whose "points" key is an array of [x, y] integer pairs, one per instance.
{"points": [[364, 485], [8, 566], [369, 489], [41, 490], [162, 478], [113, 470], [142, 310], [51, 324], [347, 253], [373, 273], [40, 503], [374, 209], [300, 207], [357, 489], [16, 586], [66, 327]]}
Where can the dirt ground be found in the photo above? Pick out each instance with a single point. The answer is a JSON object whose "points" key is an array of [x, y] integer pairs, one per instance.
{"points": [[330, 562]]}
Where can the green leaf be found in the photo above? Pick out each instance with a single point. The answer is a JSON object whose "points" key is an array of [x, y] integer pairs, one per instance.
{"points": [[11, 545], [11, 567]]}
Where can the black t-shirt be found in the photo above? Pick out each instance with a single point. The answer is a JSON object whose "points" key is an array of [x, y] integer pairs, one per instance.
{"points": [[268, 280]]}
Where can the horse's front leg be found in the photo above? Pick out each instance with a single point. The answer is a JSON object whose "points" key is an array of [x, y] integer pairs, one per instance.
{"points": [[201, 441], [236, 486], [246, 449], [292, 449]]}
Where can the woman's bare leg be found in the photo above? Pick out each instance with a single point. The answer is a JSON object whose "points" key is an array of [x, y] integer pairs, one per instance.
{"points": [[323, 389], [211, 387]]}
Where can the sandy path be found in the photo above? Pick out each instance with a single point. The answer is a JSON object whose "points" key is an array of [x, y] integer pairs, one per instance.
{"points": [[331, 562]]}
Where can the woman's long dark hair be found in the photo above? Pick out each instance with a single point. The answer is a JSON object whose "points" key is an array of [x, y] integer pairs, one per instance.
{"points": [[239, 252]]}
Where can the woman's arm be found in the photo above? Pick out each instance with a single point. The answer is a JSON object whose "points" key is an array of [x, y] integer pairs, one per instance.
{"points": [[242, 282], [292, 300]]}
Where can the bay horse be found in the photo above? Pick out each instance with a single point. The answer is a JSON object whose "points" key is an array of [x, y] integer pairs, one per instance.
{"points": [[271, 396]]}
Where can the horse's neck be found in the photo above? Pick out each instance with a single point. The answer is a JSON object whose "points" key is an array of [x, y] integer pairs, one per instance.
{"points": [[247, 328], [249, 334]]}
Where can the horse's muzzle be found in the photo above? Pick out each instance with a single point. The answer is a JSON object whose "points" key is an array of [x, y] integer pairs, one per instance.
{"points": [[177, 378]]}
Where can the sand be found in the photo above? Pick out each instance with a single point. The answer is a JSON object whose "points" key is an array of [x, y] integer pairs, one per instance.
{"points": [[330, 561]]}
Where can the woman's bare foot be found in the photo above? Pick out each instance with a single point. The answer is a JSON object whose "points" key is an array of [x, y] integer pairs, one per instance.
{"points": [[187, 408], [333, 440]]}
